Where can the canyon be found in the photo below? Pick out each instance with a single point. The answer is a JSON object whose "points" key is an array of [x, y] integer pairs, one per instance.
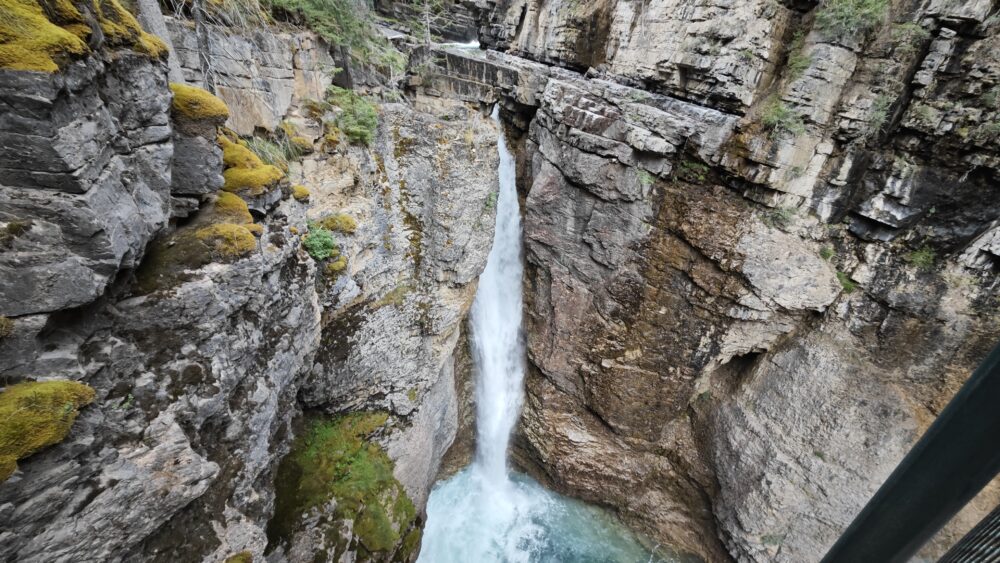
{"points": [[761, 253]]}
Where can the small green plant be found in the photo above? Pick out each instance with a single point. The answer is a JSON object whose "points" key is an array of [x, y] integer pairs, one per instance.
{"points": [[846, 282], [798, 61], [878, 115], [412, 394], [780, 120], [772, 539], [645, 178], [691, 170], [844, 19], [276, 153], [819, 454], [780, 217], [491, 201], [826, 252], [923, 258], [907, 37], [991, 98], [319, 243], [747, 54], [126, 403], [989, 130], [359, 118], [926, 115]]}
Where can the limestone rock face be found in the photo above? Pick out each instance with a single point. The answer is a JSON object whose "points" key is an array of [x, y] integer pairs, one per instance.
{"points": [[395, 314], [84, 178], [259, 75]]}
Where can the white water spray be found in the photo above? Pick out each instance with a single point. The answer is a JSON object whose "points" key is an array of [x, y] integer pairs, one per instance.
{"points": [[483, 514], [498, 349]]}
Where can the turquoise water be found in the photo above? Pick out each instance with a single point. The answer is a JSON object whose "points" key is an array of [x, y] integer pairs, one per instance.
{"points": [[470, 520]]}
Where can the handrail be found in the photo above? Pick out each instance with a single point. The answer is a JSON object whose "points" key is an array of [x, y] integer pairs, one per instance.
{"points": [[954, 459]]}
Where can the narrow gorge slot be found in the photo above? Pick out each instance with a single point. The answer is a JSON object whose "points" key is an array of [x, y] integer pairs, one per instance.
{"points": [[486, 512]]}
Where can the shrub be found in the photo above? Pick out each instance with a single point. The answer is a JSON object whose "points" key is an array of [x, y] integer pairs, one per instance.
{"points": [[37, 414], [908, 36], [319, 243], [923, 258], [194, 103], [359, 119], [347, 23], [780, 120], [846, 282], [842, 19]]}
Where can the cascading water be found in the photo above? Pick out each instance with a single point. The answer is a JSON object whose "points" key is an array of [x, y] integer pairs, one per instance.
{"points": [[485, 514]]}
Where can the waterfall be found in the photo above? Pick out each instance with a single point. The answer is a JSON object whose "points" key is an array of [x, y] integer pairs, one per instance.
{"points": [[498, 349], [485, 514]]}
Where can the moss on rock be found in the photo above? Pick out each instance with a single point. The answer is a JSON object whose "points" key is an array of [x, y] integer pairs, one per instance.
{"points": [[37, 414], [29, 40], [42, 35], [227, 240], [339, 222], [245, 172], [195, 103], [241, 557], [300, 192], [335, 459], [6, 327]]}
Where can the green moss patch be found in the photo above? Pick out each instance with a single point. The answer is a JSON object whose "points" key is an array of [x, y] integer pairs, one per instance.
{"points": [[245, 172], [241, 557], [223, 232], [335, 459], [195, 103], [43, 35], [339, 222], [300, 193], [34, 415]]}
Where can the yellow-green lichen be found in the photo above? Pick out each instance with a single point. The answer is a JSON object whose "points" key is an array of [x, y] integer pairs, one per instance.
{"points": [[333, 269], [241, 557], [223, 232], [198, 104], [334, 458], [42, 35], [6, 327], [227, 240], [34, 415], [300, 192], [245, 172], [301, 143], [121, 29], [339, 222], [29, 40]]}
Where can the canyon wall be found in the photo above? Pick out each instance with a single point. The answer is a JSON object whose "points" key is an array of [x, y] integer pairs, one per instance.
{"points": [[760, 253], [206, 331]]}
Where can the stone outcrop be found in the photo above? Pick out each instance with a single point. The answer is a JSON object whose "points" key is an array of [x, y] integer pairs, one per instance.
{"points": [[85, 168]]}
